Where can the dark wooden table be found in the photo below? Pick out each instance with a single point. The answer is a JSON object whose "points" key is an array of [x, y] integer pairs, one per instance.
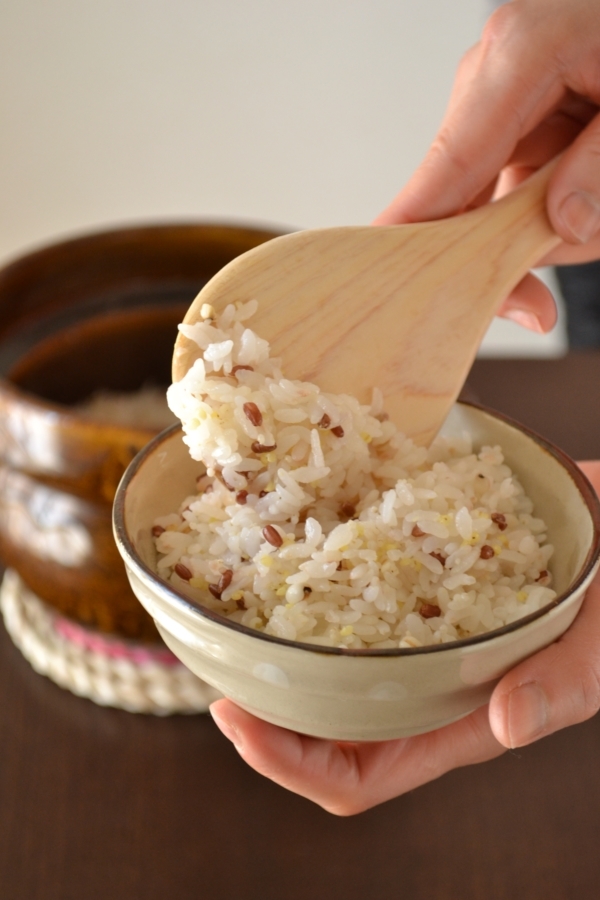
{"points": [[97, 804]]}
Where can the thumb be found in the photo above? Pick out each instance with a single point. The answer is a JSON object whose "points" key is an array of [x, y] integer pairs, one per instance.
{"points": [[574, 193], [557, 687]]}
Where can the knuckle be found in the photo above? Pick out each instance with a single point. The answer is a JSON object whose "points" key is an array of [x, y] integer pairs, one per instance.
{"points": [[445, 152], [468, 64], [502, 24]]}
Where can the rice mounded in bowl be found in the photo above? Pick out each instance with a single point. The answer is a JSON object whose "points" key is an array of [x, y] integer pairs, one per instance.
{"points": [[316, 520]]}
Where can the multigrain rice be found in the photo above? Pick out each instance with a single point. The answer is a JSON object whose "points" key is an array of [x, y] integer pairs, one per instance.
{"points": [[316, 520], [142, 408]]}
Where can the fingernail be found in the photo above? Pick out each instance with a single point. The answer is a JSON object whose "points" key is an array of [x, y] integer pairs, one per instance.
{"points": [[526, 319], [228, 729], [527, 714], [580, 213]]}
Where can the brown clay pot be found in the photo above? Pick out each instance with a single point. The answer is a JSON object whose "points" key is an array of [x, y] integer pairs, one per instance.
{"points": [[91, 313]]}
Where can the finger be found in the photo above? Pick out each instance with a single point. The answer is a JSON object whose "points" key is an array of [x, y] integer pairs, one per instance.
{"points": [[571, 255], [506, 78], [531, 305], [591, 468], [556, 132], [545, 142], [557, 687], [552, 136], [483, 196], [347, 778], [574, 191]]}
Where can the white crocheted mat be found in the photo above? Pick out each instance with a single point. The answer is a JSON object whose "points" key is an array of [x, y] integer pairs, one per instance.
{"points": [[111, 672]]}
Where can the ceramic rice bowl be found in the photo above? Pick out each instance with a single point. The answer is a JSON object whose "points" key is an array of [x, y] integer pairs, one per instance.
{"points": [[361, 695]]}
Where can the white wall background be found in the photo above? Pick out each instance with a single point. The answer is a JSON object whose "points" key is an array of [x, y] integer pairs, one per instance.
{"points": [[301, 113]]}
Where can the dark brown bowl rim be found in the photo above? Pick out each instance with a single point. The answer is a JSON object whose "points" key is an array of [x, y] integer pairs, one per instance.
{"points": [[94, 243], [68, 415], [581, 481]]}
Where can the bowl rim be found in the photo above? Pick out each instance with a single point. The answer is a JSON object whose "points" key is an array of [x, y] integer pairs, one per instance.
{"points": [[69, 415], [127, 549], [28, 273]]}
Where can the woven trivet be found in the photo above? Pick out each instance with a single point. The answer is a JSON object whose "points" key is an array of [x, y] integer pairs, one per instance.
{"points": [[107, 670]]}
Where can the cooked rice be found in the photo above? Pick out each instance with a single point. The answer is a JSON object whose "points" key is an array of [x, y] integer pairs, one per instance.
{"points": [[145, 407], [316, 520]]}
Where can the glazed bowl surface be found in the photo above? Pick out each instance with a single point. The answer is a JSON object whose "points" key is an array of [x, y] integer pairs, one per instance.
{"points": [[361, 695]]}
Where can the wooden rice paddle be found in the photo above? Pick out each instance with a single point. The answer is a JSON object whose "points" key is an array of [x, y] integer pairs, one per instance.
{"points": [[402, 308]]}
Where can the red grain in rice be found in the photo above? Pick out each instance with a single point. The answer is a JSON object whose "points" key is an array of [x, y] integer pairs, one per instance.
{"points": [[430, 611], [157, 530], [253, 413], [271, 535], [338, 431], [183, 571], [500, 520], [262, 448], [225, 580], [486, 552]]}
